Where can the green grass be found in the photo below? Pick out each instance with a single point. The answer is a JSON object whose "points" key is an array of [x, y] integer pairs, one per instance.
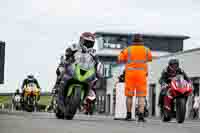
{"points": [[43, 99], [5, 99]]}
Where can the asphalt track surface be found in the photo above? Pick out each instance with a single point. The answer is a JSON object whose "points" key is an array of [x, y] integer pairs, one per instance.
{"points": [[24, 122]]}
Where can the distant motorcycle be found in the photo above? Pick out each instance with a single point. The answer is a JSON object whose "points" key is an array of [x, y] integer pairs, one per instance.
{"points": [[31, 95], [175, 101], [17, 102]]}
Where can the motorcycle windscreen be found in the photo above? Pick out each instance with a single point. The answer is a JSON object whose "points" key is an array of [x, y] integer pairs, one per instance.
{"points": [[31, 85], [180, 82], [84, 60], [180, 85]]}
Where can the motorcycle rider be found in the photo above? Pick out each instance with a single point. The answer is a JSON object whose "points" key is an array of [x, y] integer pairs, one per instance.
{"points": [[30, 79], [86, 44], [67, 60], [59, 71], [168, 73], [17, 92]]}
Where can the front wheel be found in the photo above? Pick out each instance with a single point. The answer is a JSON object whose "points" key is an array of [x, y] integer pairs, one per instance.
{"points": [[72, 103], [59, 113], [180, 109]]}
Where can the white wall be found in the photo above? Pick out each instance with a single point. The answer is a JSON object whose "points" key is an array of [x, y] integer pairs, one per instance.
{"points": [[111, 82]]}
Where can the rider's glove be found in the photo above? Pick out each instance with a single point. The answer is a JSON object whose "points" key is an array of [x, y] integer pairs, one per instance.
{"points": [[164, 85]]}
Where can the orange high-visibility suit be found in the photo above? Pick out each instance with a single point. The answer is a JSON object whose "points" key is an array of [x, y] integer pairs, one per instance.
{"points": [[136, 71]]}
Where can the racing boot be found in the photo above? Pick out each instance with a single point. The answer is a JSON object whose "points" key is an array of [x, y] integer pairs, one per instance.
{"points": [[128, 116], [141, 117]]}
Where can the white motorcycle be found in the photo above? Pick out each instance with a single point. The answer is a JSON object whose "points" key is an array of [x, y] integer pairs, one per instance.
{"points": [[17, 102]]}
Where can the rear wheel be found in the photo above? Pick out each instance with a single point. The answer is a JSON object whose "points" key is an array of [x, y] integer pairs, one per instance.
{"points": [[72, 103], [180, 109]]}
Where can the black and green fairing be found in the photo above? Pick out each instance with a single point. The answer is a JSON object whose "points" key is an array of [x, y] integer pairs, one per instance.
{"points": [[81, 75]]}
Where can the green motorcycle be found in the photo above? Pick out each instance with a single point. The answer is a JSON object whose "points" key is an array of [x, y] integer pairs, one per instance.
{"points": [[77, 88]]}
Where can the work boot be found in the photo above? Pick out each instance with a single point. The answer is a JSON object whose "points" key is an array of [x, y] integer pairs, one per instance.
{"points": [[141, 117], [128, 116]]}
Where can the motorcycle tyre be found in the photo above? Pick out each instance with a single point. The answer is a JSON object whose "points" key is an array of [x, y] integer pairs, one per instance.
{"points": [[59, 113], [72, 103], [180, 109]]}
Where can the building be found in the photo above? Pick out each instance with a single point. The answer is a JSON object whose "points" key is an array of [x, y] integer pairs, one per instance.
{"points": [[187, 62], [2, 61], [109, 45]]}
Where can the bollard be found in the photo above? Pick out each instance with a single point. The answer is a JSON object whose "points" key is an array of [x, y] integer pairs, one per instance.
{"points": [[2, 106], [12, 107]]}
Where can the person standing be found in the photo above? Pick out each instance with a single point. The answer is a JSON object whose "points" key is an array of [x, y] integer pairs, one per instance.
{"points": [[196, 106], [135, 58]]}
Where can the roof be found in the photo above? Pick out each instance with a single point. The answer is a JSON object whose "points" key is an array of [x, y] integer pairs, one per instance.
{"points": [[115, 52], [2, 42], [158, 35], [179, 53]]}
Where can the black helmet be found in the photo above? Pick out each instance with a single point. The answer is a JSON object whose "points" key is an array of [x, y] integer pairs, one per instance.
{"points": [[17, 91], [30, 76], [68, 52], [173, 64], [138, 38]]}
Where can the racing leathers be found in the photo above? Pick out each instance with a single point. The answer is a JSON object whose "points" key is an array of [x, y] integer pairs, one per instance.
{"points": [[165, 80], [59, 73], [17, 92]]}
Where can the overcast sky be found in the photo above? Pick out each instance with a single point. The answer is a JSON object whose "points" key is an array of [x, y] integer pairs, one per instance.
{"points": [[36, 32]]}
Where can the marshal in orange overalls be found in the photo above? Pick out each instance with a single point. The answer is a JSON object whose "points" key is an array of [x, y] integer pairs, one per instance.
{"points": [[136, 58]]}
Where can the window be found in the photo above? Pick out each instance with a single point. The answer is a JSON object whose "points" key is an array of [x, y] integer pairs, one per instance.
{"points": [[115, 42], [99, 42], [107, 71]]}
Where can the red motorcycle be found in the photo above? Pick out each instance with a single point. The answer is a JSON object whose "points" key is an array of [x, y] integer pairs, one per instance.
{"points": [[175, 100]]}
